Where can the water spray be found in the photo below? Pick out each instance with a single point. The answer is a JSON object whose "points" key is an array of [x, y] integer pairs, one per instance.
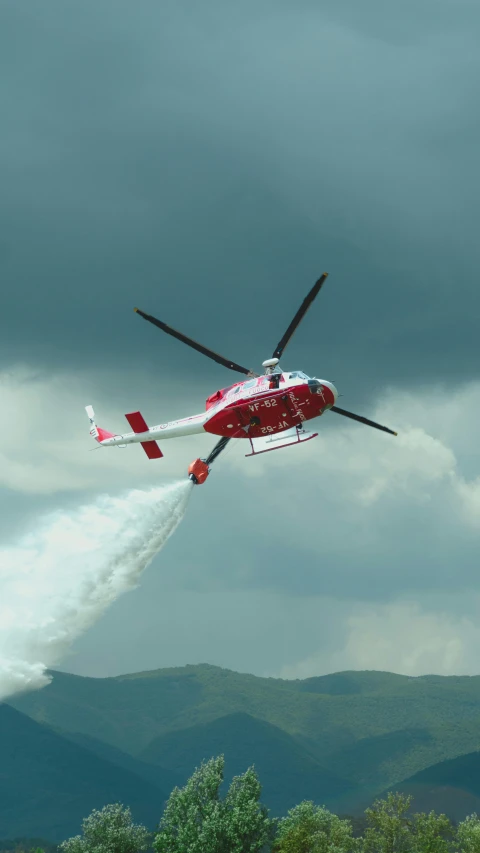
{"points": [[57, 581]]}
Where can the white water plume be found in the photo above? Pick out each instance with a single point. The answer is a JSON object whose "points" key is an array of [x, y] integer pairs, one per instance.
{"points": [[57, 581]]}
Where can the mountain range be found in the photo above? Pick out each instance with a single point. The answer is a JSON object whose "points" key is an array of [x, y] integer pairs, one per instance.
{"points": [[341, 740]]}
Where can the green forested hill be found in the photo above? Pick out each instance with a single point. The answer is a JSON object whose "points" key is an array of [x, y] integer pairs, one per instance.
{"points": [[371, 728], [376, 762], [452, 787], [351, 683], [287, 772], [26, 845], [48, 784], [163, 778]]}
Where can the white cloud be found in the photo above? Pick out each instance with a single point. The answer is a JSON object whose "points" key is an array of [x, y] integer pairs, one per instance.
{"points": [[402, 638]]}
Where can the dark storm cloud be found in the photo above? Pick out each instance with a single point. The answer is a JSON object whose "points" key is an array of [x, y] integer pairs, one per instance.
{"points": [[207, 163]]}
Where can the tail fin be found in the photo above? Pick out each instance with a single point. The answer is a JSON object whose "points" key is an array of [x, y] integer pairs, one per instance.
{"points": [[98, 433], [138, 424]]}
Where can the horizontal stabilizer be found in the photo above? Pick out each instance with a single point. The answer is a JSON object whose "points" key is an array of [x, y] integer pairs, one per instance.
{"points": [[137, 422], [152, 449], [139, 425]]}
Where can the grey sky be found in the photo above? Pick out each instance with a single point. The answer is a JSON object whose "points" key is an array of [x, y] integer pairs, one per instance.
{"points": [[207, 163]]}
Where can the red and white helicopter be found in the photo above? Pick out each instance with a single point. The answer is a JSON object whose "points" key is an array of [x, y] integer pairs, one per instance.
{"points": [[273, 407]]}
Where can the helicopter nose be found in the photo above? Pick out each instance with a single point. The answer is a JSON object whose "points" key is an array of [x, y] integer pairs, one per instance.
{"points": [[331, 387]]}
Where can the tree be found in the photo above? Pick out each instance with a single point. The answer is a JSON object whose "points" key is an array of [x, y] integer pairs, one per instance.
{"points": [[248, 828], [392, 831], [390, 828], [432, 833], [196, 820], [468, 835], [110, 830], [308, 828]]}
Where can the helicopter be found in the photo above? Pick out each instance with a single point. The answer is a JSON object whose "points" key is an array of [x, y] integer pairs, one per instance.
{"points": [[270, 410]]}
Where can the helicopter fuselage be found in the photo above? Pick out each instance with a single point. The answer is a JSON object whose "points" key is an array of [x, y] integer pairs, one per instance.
{"points": [[268, 404]]}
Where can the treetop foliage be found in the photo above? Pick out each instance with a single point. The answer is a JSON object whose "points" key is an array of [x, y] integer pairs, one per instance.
{"points": [[197, 820], [110, 830]]}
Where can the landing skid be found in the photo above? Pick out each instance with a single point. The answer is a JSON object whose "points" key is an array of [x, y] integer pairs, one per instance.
{"points": [[295, 436]]}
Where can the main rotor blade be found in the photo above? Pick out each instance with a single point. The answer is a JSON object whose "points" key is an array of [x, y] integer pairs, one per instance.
{"points": [[232, 365], [361, 420], [299, 316], [220, 445]]}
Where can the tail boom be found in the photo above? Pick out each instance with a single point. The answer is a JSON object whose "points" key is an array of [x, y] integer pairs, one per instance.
{"points": [[145, 435]]}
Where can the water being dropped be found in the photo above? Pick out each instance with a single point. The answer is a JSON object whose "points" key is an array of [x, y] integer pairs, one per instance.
{"points": [[56, 582]]}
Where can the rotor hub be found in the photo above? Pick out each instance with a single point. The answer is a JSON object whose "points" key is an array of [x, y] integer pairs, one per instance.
{"points": [[270, 364]]}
